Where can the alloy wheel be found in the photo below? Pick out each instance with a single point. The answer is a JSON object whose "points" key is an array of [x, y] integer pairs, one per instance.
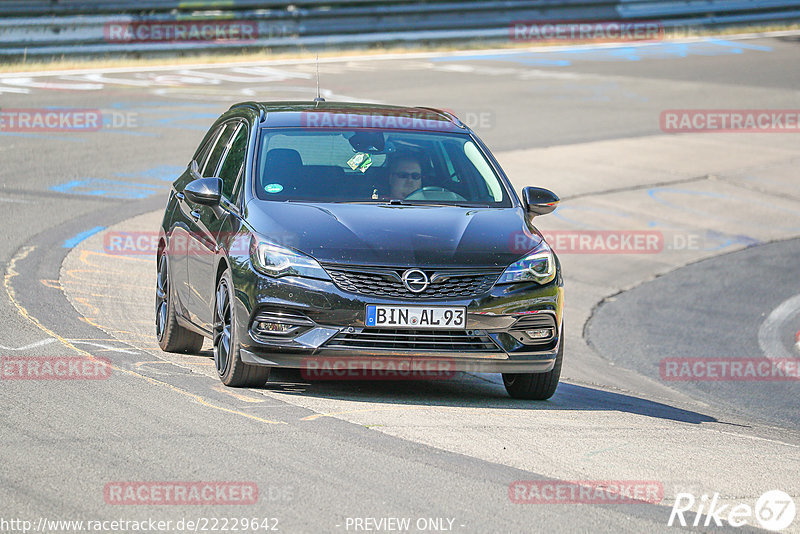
{"points": [[222, 328]]}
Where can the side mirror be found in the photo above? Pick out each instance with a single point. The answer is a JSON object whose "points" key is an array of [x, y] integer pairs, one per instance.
{"points": [[206, 191], [538, 201]]}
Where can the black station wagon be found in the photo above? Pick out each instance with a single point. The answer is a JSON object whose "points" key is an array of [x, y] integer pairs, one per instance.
{"points": [[305, 234]]}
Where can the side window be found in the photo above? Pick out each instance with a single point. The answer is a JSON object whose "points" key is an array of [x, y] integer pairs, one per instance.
{"points": [[234, 161], [210, 166], [202, 153]]}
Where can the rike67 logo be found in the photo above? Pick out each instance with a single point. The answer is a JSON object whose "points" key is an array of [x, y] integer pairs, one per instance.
{"points": [[774, 510]]}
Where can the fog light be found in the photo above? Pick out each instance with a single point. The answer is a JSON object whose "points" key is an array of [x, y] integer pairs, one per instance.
{"points": [[541, 333], [274, 328]]}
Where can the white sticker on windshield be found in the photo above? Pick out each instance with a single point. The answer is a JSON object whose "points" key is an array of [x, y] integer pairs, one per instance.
{"points": [[360, 161], [273, 188]]}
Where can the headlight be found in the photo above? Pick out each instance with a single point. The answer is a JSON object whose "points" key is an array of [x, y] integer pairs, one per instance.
{"points": [[274, 260], [538, 266]]}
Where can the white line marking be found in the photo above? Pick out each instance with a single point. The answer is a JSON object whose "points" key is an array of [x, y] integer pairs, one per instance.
{"points": [[770, 330], [102, 346], [45, 341], [27, 81], [19, 90]]}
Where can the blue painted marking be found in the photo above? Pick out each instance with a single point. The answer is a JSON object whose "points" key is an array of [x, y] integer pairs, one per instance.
{"points": [[741, 45], [656, 191], [559, 213], [48, 136], [179, 121], [165, 173], [139, 105], [171, 114], [120, 189], [124, 131], [729, 240], [106, 188], [566, 55], [370, 315], [72, 241]]}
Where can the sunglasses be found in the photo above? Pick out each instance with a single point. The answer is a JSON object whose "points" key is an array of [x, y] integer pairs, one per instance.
{"points": [[408, 175]]}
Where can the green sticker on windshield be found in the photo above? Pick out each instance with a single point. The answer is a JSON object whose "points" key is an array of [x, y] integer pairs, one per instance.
{"points": [[273, 188], [360, 161], [366, 164]]}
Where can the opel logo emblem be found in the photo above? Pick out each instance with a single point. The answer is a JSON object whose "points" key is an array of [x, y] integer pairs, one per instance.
{"points": [[415, 280]]}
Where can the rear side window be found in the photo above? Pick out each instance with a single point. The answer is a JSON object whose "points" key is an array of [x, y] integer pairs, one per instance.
{"points": [[202, 153], [218, 150], [234, 162]]}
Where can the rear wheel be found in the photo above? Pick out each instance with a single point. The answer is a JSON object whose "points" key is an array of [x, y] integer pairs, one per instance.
{"points": [[230, 367], [172, 337], [535, 386]]}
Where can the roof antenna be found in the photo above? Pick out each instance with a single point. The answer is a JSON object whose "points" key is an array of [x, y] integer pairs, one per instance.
{"points": [[319, 98]]}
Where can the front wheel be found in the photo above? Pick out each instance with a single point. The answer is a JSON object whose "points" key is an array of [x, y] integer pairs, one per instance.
{"points": [[230, 367], [535, 386]]}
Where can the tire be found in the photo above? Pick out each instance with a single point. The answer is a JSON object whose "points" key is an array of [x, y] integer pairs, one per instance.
{"points": [[535, 386], [171, 336], [232, 371]]}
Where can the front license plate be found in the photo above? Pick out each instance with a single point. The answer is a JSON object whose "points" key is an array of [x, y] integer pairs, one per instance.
{"points": [[416, 317]]}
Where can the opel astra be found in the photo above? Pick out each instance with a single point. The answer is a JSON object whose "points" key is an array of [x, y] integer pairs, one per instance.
{"points": [[303, 232]]}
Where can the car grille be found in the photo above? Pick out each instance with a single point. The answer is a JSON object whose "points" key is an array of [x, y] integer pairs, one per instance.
{"points": [[443, 283], [426, 340]]}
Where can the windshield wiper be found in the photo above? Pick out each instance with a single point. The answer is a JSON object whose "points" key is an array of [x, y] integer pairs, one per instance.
{"points": [[428, 203], [394, 202]]}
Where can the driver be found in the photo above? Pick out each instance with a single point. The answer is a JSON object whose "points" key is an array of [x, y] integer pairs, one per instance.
{"points": [[405, 175]]}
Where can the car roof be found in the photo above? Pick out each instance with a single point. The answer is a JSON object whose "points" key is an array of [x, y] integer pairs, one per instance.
{"points": [[353, 115]]}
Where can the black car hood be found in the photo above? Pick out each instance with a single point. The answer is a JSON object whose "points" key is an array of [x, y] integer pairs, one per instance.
{"points": [[390, 235]]}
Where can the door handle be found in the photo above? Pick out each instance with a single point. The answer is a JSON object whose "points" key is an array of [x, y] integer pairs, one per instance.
{"points": [[179, 196], [195, 215]]}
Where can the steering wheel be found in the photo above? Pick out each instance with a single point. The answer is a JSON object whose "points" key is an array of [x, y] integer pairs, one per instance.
{"points": [[427, 189], [421, 194]]}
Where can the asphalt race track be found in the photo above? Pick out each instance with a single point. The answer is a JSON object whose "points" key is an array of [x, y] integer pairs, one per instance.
{"points": [[446, 455]]}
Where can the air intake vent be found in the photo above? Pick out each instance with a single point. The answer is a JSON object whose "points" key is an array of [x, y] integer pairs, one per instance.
{"points": [[389, 339]]}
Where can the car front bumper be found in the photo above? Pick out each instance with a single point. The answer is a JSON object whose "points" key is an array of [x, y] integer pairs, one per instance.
{"points": [[333, 327]]}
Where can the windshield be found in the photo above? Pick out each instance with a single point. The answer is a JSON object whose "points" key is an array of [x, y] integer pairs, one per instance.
{"points": [[375, 166]]}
